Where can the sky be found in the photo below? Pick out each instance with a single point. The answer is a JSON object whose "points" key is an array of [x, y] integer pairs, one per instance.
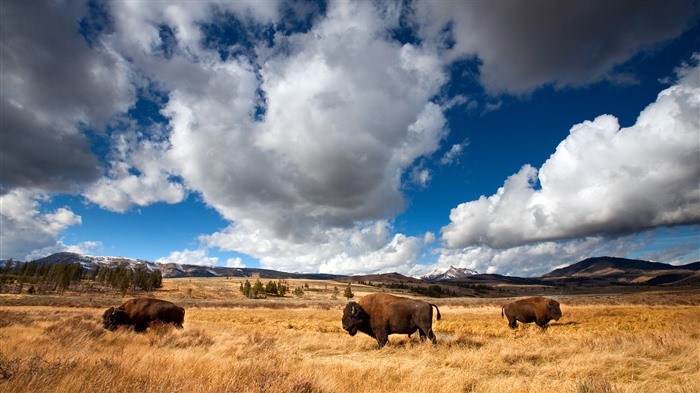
{"points": [[351, 137]]}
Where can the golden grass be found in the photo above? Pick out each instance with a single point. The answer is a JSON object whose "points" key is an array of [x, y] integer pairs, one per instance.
{"points": [[598, 346]]}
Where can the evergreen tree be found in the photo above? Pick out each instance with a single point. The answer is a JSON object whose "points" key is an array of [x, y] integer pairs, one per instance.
{"points": [[271, 288], [298, 292], [157, 279], [348, 292], [8, 266], [246, 289], [258, 289], [95, 273], [282, 287]]}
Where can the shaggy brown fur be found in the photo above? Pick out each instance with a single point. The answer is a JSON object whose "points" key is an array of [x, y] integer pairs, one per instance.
{"points": [[140, 312], [379, 315], [534, 309]]}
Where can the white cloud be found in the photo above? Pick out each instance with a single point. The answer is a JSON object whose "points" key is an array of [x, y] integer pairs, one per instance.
{"points": [[600, 180], [191, 257], [420, 176], [347, 112], [366, 248], [234, 262], [140, 174], [454, 153], [531, 260], [25, 228]]}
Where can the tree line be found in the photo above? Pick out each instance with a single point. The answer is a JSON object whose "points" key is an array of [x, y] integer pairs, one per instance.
{"points": [[62, 276], [429, 291], [280, 288]]}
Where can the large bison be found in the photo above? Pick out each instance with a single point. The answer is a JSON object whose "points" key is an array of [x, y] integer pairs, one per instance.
{"points": [[379, 315], [533, 309], [140, 312]]}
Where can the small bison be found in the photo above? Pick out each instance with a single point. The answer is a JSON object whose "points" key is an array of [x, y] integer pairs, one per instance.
{"points": [[140, 312], [534, 309], [379, 315]]}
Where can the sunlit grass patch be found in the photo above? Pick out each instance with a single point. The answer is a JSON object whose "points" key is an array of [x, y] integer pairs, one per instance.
{"points": [[595, 347]]}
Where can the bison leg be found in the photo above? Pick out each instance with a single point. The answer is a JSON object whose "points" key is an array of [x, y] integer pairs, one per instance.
{"points": [[430, 335], [140, 327], [512, 323], [382, 338]]}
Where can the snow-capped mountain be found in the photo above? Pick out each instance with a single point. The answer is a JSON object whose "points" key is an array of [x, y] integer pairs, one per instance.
{"points": [[91, 262], [174, 270], [450, 273]]}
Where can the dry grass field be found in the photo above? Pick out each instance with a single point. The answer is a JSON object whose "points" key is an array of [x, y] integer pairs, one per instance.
{"points": [[628, 343]]}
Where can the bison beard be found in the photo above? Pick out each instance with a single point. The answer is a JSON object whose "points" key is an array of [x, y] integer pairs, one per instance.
{"points": [[379, 315], [534, 309], [139, 313]]}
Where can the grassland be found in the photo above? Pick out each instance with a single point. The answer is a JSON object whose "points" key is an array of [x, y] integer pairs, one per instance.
{"points": [[605, 343]]}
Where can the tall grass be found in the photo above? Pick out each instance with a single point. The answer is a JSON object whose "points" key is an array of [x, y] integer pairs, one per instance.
{"points": [[595, 347]]}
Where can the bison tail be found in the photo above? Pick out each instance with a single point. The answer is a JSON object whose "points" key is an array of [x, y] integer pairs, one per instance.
{"points": [[436, 309], [502, 308]]}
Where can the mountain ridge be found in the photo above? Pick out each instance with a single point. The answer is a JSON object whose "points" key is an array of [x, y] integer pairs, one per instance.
{"points": [[596, 271]]}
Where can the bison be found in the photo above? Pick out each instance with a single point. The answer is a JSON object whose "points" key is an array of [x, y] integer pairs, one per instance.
{"points": [[379, 315], [140, 312], [534, 309]]}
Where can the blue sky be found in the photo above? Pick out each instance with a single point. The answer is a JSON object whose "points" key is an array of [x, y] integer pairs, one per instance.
{"points": [[352, 137]]}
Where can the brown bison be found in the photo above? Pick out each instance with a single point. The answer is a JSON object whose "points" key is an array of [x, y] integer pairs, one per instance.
{"points": [[379, 315], [534, 309], [140, 312]]}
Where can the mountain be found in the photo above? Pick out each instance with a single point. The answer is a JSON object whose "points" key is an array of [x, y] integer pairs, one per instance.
{"points": [[174, 270], [447, 274], [605, 266], [601, 270], [91, 262], [597, 272]]}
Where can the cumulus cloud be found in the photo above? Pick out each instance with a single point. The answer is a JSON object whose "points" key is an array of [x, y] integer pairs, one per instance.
{"points": [[525, 45], [25, 228], [365, 248], [197, 257], [347, 111], [602, 179], [54, 84], [140, 174], [531, 260]]}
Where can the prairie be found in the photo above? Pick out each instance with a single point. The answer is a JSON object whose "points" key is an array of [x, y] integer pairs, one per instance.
{"points": [[647, 342]]}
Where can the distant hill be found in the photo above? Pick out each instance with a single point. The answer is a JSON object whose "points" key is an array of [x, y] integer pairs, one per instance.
{"points": [[388, 278], [497, 279], [611, 270], [602, 266]]}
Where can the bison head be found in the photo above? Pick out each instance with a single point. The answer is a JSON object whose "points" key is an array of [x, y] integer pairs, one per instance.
{"points": [[354, 317], [553, 309], [114, 317]]}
